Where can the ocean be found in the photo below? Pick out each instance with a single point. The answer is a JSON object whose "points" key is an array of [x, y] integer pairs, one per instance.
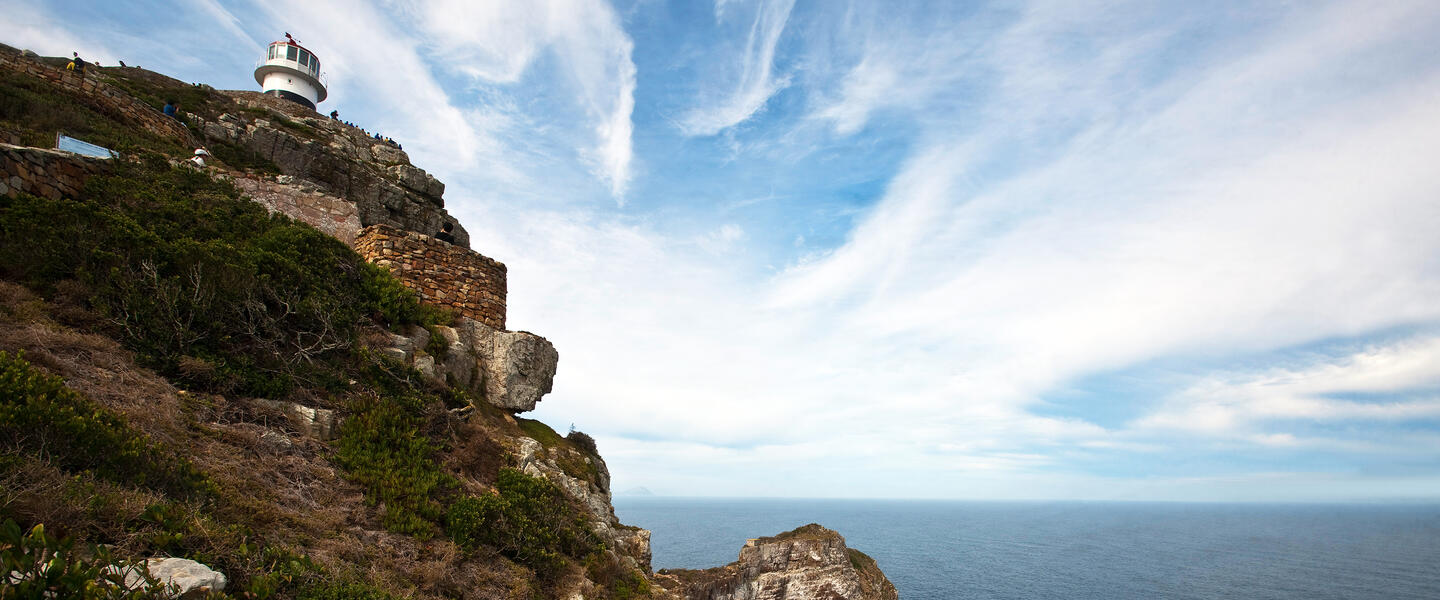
{"points": [[1082, 551]]}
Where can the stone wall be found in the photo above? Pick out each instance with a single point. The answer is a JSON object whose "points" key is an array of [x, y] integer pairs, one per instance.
{"points": [[50, 173], [99, 93], [305, 203], [444, 274]]}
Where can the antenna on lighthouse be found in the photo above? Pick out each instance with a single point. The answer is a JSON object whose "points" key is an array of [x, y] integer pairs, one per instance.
{"points": [[292, 72]]}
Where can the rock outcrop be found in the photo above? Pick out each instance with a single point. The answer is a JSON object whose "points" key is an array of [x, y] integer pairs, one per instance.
{"points": [[338, 160], [809, 563], [585, 478], [186, 578], [511, 370]]}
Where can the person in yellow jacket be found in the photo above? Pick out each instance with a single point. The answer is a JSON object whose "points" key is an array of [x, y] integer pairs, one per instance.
{"points": [[77, 64]]}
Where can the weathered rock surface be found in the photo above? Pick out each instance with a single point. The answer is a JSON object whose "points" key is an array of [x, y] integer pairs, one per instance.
{"points": [[809, 563], [189, 578], [512, 370], [319, 423], [591, 491], [519, 366], [339, 161]]}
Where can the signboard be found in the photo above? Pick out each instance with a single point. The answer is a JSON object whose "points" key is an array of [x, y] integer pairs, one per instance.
{"points": [[69, 144]]}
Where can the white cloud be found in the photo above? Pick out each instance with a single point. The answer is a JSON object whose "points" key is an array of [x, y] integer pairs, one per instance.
{"points": [[756, 81], [1241, 404], [28, 28], [499, 41], [228, 20]]}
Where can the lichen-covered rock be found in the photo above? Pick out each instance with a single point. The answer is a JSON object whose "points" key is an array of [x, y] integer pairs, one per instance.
{"points": [[809, 563], [341, 161], [318, 423], [189, 578], [591, 489], [519, 366], [511, 370]]}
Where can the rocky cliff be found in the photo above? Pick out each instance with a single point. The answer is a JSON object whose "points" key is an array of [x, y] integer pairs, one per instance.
{"points": [[808, 563], [184, 376]]}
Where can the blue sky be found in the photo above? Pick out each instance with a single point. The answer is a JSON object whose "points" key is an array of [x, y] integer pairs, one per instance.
{"points": [[1081, 250]]}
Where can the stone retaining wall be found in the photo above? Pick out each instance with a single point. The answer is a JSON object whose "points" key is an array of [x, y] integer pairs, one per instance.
{"points": [[444, 274], [53, 174]]}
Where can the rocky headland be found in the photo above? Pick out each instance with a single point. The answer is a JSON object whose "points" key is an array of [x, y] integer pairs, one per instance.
{"points": [[304, 437]]}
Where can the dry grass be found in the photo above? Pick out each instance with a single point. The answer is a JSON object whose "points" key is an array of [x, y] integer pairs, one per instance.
{"points": [[274, 481]]}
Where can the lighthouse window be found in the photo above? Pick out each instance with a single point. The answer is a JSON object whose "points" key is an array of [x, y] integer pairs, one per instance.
{"points": [[304, 58], [290, 52]]}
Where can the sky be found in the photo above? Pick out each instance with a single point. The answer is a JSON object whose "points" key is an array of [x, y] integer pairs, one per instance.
{"points": [[1081, 249]]}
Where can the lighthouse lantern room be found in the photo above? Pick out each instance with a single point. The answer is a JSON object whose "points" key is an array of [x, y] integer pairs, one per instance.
{"points": [[291, 72]]}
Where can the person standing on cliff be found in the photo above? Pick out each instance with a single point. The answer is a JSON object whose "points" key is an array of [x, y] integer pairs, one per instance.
{"points": [[445, 236], [77, 64], [171, 107]]}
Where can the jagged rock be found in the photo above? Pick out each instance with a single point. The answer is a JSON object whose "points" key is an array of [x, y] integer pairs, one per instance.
{"points": [[632, 544], [809, 563], [457, 366], [516, 368], [191, 579], [519, 366], [339, 160], [319, 423]]}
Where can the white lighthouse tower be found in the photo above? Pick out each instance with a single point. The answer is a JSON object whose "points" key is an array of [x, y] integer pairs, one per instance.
{"points": [[291, 72]]}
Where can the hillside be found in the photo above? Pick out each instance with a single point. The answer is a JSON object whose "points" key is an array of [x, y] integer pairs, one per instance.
{"points": [[196, 362]]}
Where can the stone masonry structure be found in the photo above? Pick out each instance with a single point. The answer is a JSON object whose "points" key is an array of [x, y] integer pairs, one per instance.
{"points": [[52, 174], [443, 274]]}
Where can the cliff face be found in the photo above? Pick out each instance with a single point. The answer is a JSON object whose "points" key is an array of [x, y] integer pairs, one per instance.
{"points": [[334, 159], [809, 563], [390, 463]]}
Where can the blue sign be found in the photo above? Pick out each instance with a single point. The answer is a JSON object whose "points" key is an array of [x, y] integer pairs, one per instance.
{"points": [[69, 144]]}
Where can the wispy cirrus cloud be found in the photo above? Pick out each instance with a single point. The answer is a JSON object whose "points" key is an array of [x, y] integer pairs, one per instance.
{"points": [[499, 41], [1396, 382], [754, 81]]}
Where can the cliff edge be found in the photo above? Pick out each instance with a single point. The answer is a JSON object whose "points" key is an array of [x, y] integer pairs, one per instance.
{"points": [[267, 365], [808, 563]]}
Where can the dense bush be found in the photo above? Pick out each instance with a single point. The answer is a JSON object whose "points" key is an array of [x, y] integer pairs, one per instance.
{"points": [[383, 448], [39, 414], [528, 520], [39, 565], [187, 272]]}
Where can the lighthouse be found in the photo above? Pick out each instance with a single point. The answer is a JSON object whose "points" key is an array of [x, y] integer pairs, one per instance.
{"points": [[291, 72]]}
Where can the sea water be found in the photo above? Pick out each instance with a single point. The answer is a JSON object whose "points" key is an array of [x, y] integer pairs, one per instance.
{"points": [[1083, 551]]}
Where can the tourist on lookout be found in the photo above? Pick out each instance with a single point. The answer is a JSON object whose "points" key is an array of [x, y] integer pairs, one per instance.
{"points": [[445, 235]]}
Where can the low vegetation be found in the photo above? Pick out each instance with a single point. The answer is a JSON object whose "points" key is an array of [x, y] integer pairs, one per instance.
{"points": [[206, 286]]}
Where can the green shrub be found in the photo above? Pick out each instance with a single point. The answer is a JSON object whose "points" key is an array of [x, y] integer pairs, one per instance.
{"points": [[38, 565], [39, 414], [183, 268], [528, 520], [582, 441], [383, 449]]}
